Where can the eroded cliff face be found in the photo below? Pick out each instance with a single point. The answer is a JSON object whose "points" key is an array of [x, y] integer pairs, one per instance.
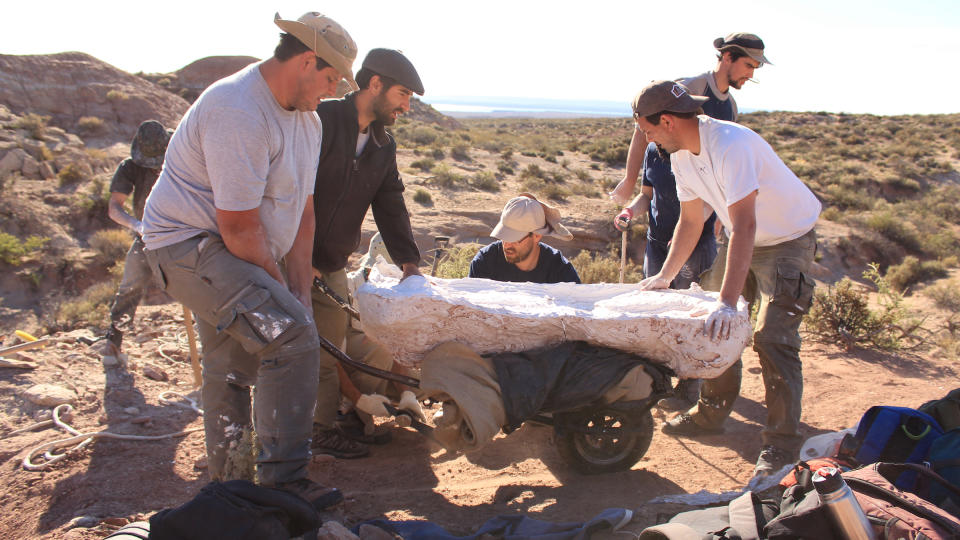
{"points": [[84, 95]]}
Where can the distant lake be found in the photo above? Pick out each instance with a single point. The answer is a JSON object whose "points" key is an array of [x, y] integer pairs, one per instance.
{"points": [[474, 107]]}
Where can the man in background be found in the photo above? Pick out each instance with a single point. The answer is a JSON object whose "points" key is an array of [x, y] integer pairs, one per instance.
{"points": [[357, 171], [520, 256], [233, 202], [769, 215], [739, 55], [135, 175]]}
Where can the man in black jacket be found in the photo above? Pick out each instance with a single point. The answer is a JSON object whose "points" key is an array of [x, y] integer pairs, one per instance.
{"points": [[357, 171]]}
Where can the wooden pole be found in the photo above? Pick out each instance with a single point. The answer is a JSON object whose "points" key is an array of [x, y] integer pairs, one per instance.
{"points": [[194, 353], [623, 254]]}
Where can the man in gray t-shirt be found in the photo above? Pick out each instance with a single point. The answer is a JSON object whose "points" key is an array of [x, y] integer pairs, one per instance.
{"points": [[233, 201]]}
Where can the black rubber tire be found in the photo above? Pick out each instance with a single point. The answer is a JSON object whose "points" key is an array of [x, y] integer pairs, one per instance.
{"points": [[613, 451]]}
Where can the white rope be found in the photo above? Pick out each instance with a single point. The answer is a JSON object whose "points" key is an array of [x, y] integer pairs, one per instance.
{"points": [[82, 440]]}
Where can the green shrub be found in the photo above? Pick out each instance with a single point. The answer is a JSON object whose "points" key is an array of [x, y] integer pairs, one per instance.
{"points": [[423, 135], [90, 125], [945, 295], [110, 244], [12, 249], [423, 197], [92, 308], [437, 153], [460, 152], [424, 164], [445, 177], [34, 123], [455, 263], [533, 171], [70, 174], [117, 95], [505, 167], [605, 268], [912, 271], [486, 181]]}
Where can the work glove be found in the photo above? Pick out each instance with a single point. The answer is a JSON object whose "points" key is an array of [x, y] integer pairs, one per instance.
{"points": [[409, 403], [719, 321], [138, 228], [622, 221], [372, 404]]}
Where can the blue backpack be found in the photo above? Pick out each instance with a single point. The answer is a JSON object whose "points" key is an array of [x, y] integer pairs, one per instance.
{"points": [[945, 460], [894, 435]]}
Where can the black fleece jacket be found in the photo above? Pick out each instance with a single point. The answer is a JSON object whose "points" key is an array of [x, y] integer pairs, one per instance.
{"points": [[347, 186]]}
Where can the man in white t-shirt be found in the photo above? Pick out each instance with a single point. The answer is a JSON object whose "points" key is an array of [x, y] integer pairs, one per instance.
{"points": [[769, 216], [234, 199]]}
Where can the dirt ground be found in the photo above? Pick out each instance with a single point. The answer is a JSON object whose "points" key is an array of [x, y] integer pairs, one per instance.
{"points": [[116, 481]]}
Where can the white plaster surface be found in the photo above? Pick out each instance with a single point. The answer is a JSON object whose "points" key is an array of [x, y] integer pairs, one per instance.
{"points": [[412, 317]]}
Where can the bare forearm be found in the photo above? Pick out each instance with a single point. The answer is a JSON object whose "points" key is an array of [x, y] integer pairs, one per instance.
{"points": [[299, 267], [120, 216], [638, 146], [248, 242], [739, 255]]}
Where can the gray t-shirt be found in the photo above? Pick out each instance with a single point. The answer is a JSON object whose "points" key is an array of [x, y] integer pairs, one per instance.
{"points": [[235, 149]]}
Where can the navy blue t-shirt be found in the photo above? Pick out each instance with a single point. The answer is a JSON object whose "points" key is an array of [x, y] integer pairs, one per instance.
{"points": [[721, 109], [552, 266], [665, 206]]}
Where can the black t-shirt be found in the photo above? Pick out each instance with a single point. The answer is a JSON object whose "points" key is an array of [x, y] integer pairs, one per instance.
{"points": [[552, 267], [132, 178]]}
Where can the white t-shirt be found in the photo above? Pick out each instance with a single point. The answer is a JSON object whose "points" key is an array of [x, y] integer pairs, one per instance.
{"points": [[733, 162], [235, 149]]}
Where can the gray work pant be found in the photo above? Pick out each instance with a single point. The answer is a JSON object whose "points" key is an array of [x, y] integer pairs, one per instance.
{"points": [[136, 279], [254, 332], [778, 277]]}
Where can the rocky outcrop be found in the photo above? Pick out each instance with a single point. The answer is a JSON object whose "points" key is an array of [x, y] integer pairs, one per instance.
{"points": [[84, 95], [191, 80]]}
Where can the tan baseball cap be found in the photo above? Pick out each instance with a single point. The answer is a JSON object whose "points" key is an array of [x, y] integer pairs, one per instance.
{"points": [[523, 215], [326, 38], [751, 44], [665, 96]]}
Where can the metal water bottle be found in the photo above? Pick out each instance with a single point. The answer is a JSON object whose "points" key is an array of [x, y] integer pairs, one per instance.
{"points": [[837, 496]]}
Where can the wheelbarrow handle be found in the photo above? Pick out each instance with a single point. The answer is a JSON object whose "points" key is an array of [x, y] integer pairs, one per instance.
{"points": [[376, 372]]}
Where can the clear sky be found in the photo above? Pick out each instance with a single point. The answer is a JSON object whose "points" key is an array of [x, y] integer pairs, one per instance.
{"points": [[880, 56]]}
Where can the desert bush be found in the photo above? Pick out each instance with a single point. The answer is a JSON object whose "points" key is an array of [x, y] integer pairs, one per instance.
{"points": [[582, 175], [92, 308], [486, 181], [586, 190], [460, 152], [110, 244], [423, 135], [505, 167], [70, 174], [437, 153], [117, 95], [912, 271], [842, 314], [533, 171], [424, 164], [945, 295], [456, 261], [12, 249], [96, 200], [422, 196], [599, 268], [33, 123], [90, 125], [831, 213], [445, 177]]}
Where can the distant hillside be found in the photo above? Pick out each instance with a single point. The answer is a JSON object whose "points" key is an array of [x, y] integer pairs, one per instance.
{"points": [[84, 95]]}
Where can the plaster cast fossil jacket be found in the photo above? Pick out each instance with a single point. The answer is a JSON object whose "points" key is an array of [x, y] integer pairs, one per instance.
{"points": [[347, 185]]}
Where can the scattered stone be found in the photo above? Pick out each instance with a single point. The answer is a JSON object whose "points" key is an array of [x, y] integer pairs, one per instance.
{"points": [[155, 373], [49, 395], [332, 530], [84, 522], [42, 415], [146, 336], [200, 463], [132, 411], [142, 420], [116, 521]]}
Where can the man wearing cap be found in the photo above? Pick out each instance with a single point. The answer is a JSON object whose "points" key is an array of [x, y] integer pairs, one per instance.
{"points": [[519, 256], [233, 201], [357, 171], [135, 175], [740, 54], [769, 216]]}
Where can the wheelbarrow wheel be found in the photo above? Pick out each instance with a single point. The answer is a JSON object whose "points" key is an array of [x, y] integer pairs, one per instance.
{"points": [[605, 440]]}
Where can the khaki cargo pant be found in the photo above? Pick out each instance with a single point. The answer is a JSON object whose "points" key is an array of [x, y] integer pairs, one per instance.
{"points": [[334, 324], [254, 333], [778, 279]]}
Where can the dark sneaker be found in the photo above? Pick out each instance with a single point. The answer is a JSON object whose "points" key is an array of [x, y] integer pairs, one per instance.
{"points": [[353, 428], [683, 425], [685, 395], [316, 494], [333, 442], [771, 460]]}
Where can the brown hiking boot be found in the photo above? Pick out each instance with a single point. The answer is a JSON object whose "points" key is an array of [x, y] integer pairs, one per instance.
{"points": [[352, 427], [333, 442], [319, 496], [683, 425]]}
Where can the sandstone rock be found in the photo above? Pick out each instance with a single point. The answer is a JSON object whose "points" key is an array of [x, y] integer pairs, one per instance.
{"points": [[155, 373], [84, 522], [30, 169], [49, 395], [12, 161], [412, 317], [46, 170], [331, 530]]}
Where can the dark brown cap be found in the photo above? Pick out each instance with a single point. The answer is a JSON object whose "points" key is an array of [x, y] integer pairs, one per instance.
{"points": [[665, 96], [392, 63]]}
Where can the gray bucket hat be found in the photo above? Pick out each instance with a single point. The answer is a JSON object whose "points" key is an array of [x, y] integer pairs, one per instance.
{"points": [[751, 44], [150, 144]]}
